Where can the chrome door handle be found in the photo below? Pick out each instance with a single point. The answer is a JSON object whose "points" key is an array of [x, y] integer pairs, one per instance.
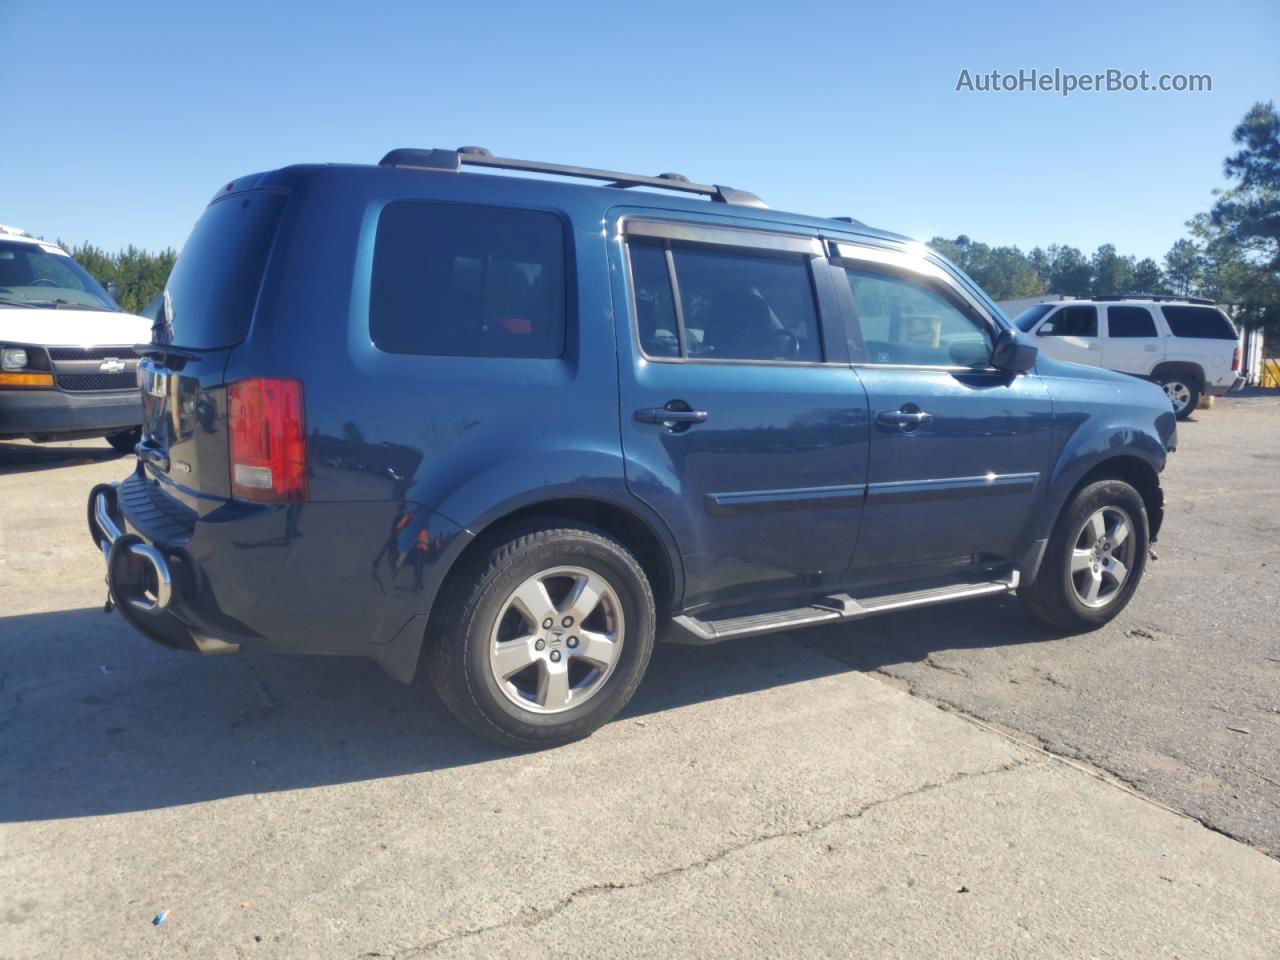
{"points": [[1150, 347], [905, 419]]}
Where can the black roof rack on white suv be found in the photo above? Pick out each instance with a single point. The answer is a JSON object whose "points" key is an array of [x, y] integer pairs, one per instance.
{"points": [[1158, 297]]}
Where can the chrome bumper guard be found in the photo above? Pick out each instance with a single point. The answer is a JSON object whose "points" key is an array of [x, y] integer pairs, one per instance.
{"points": [[108, 534]]}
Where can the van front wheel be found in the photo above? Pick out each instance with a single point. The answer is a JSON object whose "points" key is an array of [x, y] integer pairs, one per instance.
{"points": [[544, 637]]}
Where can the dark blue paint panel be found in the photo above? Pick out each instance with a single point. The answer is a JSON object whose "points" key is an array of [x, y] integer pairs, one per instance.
{"points": [[928, 496]]}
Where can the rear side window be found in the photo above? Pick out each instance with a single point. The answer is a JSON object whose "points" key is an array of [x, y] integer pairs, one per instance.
{"points": [[1130, 322], [655, 305], [1073, 322], [1206, 323], [456, 280], [732, 304], [214, 285]]}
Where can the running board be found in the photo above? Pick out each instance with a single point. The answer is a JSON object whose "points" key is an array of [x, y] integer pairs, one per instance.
{"points": [[830, 610]]}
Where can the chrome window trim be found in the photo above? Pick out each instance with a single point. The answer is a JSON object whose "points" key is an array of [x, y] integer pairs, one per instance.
{"points": [[714, 235], [844, 253]]}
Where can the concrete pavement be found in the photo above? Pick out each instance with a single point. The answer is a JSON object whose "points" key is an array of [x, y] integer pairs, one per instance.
{"points": [[758, 798]]}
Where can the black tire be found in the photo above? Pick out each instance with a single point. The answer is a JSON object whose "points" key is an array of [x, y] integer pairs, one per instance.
{"points": [[1178, 382], [457, 649], [1052, 597], [125, 440]]}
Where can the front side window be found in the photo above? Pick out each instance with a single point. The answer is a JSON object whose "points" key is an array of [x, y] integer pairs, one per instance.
{"points": [[1130, 322], [456, 280], [1073, 322], [1206, 323], [1029, 317], [735, 305], [32, 276], [903, 320]]}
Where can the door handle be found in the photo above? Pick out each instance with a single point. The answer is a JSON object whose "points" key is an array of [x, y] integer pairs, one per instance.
{"points": [[1150, 347], [904, 419], [675, 415]]}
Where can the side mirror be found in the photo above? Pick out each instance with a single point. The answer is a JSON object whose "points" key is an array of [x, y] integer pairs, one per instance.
{"points": [[113, 290], [1045, 329], [1014, 352]]}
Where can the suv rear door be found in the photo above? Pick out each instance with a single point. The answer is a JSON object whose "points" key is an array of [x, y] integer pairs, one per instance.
{"points": [[209, 302], [1131, 343], [1203, 336], [742, 424]]}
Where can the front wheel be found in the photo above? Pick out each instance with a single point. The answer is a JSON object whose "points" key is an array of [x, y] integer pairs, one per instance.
{"points": [[544, 637], [1183, 393], [1094, 560]]}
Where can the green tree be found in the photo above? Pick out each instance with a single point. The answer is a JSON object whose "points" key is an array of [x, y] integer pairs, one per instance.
{"points": [[140, 274], [1112, 273], [1183, 267], [1067, 271], [1147, 277], [1003, 272], [1241, 234]]}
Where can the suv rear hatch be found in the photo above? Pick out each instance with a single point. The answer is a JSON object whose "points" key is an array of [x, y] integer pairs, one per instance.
{"points": [[209, 304]]}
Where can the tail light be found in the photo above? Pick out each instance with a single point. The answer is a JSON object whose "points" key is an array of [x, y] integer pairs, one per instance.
{"points": [[268, 440], [1235, 360]]}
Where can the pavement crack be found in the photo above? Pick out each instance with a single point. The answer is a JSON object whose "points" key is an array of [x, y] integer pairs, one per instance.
{"points": [[533, 916]]}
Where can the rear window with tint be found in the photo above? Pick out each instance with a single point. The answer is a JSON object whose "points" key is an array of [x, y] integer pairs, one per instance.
{"points": [[1130, 322], [457, 280], [1206, 323], [214, 285]]}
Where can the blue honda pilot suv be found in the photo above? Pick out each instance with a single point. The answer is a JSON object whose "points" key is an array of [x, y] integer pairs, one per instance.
{"points": [[515, 428]]}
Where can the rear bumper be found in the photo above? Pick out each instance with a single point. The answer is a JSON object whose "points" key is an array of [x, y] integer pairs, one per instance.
{"points": [[330, 578], [28, 412]]}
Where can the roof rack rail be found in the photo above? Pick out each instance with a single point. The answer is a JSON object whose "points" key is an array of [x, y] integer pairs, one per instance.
{"points": [[1158, 297], [453, 160], [849, 220]]}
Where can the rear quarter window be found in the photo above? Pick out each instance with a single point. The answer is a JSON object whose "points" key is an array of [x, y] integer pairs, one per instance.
{"points": [[214, 285], [1205, 323], [458, 280]]}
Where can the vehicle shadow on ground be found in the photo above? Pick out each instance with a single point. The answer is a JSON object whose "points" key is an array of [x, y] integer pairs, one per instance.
{"points": [[95, 719], [27, 457]]}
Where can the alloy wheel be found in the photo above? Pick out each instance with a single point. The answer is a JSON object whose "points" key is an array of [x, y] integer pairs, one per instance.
{"points": [[556, 640], [1179, 394], [1102, 556]]}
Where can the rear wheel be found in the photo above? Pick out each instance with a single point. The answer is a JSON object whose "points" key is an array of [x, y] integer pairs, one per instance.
{"points": [[125, 440], [1183, 393], [1095, 559], [544, 637]]}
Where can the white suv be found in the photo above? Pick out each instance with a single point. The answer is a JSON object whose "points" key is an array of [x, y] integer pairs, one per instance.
{"points": [[1186, 345]]}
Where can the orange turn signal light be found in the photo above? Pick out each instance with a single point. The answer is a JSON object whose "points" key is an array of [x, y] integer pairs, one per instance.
{"points": [[26, 379]]}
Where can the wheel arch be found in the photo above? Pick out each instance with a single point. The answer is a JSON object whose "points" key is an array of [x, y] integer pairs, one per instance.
{"points": [[1183, 367], [1134, 470]]}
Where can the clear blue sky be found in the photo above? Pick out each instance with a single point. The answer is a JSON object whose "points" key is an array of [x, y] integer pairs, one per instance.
{"points": [[120, 119]]}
